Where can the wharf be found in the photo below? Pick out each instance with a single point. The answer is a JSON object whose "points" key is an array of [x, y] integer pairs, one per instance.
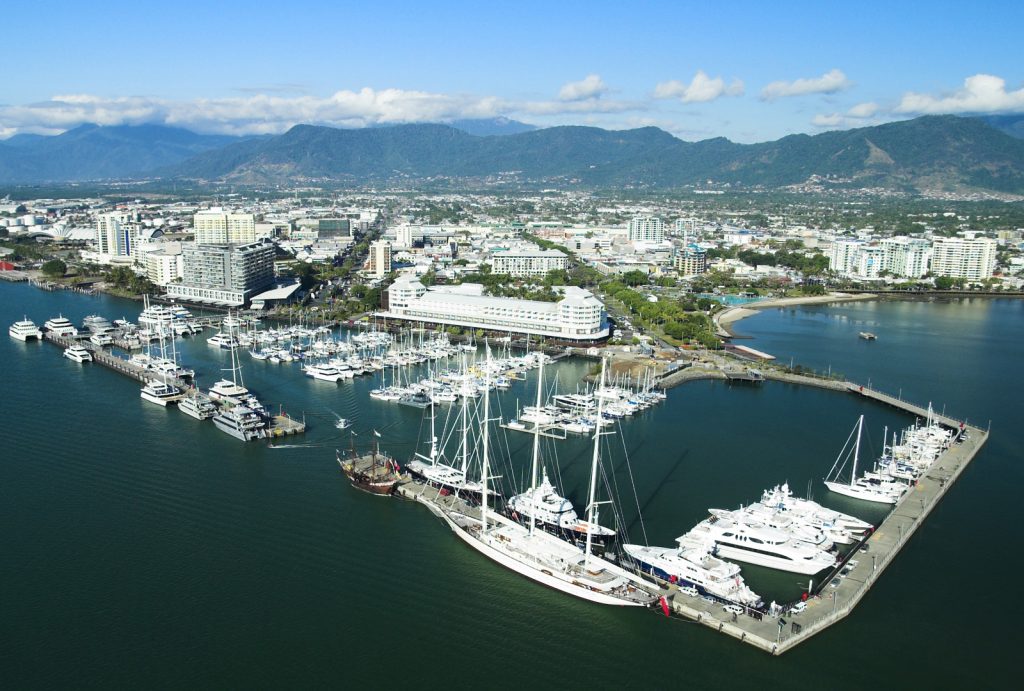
{"points": [[111, 361], [284, 426], [830, 603]]}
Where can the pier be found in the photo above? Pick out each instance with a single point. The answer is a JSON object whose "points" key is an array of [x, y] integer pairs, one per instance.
{"points": [[841, 589]]}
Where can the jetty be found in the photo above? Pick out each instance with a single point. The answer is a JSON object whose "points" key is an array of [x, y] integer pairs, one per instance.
{"points": [[838, 591]]}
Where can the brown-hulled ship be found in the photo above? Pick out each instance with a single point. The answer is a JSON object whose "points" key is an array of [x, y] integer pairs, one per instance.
{"points": [[373, 472]]}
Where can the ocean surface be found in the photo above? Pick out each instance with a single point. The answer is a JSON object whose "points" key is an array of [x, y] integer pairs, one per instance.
{"points": [[142, 548]]}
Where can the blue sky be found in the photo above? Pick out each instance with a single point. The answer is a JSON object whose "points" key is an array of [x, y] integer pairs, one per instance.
{"points": [[747, 71]]}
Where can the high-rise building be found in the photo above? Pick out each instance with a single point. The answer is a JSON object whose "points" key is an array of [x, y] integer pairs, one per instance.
{"points": [[691, 260], [113, 234], [224, 274], [163, 266], [842, 258], [646, 229], [973, 258], [217, 227], [907, 257], [379, 261]]}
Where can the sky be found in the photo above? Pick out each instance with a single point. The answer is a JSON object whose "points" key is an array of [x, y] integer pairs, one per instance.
{"points": [[743, 70]]}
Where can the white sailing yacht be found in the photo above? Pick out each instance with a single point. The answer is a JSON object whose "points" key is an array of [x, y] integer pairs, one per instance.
{"points": [[160, 391], [542, 504], [866, 489], [540, 556]]}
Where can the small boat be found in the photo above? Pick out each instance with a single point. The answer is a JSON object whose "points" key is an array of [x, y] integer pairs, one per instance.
{"points": [[343, 423], [868, 336], [77, 353]]}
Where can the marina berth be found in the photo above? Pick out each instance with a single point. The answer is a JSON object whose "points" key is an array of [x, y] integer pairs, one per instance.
{"points": [[871, 489], [25, 330]]}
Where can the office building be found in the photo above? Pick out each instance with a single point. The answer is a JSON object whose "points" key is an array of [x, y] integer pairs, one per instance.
{"points": [[578, 317]]}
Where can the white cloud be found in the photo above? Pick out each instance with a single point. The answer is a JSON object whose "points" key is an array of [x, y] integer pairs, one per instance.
{"points": [[270, 114], [831, 121], [828, 83], [863, 110], [592, 86], [700, 90], [982, 93]]}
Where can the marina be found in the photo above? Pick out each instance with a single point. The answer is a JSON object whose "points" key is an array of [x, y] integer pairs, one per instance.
{"points": [[762, 633]]}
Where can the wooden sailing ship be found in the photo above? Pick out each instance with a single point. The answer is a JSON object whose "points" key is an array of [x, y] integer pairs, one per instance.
{"points": [[374, 472]]}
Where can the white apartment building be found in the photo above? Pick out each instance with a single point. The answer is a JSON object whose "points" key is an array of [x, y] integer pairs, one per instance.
{"points": [[869, 261], [164, 266], [646, 229], [577, 317], [378, 262], [842, 257], [908, 257], [113, 235], [528, 262], [973, 258], [218, 227]]}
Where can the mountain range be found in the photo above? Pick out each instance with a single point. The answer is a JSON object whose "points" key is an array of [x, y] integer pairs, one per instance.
{"points": [[928, 153]]}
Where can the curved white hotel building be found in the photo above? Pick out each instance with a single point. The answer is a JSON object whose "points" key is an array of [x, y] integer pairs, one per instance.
{"points": [[578, 317]]}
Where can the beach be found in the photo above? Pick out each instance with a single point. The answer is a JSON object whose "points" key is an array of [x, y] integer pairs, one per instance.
{"points": [[723, 320]]}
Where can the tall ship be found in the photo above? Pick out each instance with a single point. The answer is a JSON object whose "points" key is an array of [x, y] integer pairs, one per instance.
{"points": [[693, 564], [374, 472], [25, 330], [537, 554]]}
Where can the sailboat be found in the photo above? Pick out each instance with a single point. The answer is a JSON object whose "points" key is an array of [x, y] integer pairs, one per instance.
{"points": [[160, 391], [374, 472], [866, 489], [538, 555], [542, 504]]}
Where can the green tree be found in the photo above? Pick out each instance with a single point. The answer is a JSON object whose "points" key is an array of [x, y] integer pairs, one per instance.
{"points": [[54, 268]]}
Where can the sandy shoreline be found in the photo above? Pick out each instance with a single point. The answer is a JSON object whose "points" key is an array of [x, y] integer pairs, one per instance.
{"points": [[723, 320]]}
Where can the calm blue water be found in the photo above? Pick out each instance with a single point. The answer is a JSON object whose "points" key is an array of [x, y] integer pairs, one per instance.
{"points": [[143, 548]]}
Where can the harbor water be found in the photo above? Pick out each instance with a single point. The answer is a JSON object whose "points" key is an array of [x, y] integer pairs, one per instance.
{"points": [[146, 549]]}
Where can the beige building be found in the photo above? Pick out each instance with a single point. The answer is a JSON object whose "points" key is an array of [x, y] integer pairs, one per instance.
{"points": [[379, 261], [218, 227]]}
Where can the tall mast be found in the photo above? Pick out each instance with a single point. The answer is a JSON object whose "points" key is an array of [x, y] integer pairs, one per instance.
{"points": [[483, 460], [536, 447], [856, 450], [591, 501], [433, 438], [465, 425]]}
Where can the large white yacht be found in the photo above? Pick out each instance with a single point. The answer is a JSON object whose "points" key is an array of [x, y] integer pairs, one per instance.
{"points": [[77, 353], [554, 513], [240, 422], [61, 326], [758, 516], [870, 489], [693, 564], [25, 330], [323, 372], [761, 545], [780, 498], [197, 405], [223, 340]]}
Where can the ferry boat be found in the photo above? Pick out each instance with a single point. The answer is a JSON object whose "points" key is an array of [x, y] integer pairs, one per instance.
{"points": [[77, 353], [25, 330], [100, 339], [240, 422], [693, 565], [97, 324], [161, 393], [324, 372], [223, 340], [61, 326]]}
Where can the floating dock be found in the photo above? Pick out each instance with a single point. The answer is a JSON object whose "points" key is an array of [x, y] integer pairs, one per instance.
{"points": [[830, 603]]}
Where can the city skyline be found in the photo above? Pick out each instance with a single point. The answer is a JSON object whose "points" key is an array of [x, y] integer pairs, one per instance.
{"points": [[743, 72]]}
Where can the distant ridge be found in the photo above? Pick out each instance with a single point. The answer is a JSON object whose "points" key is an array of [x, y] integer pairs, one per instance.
{"points": [[947, 153]]}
